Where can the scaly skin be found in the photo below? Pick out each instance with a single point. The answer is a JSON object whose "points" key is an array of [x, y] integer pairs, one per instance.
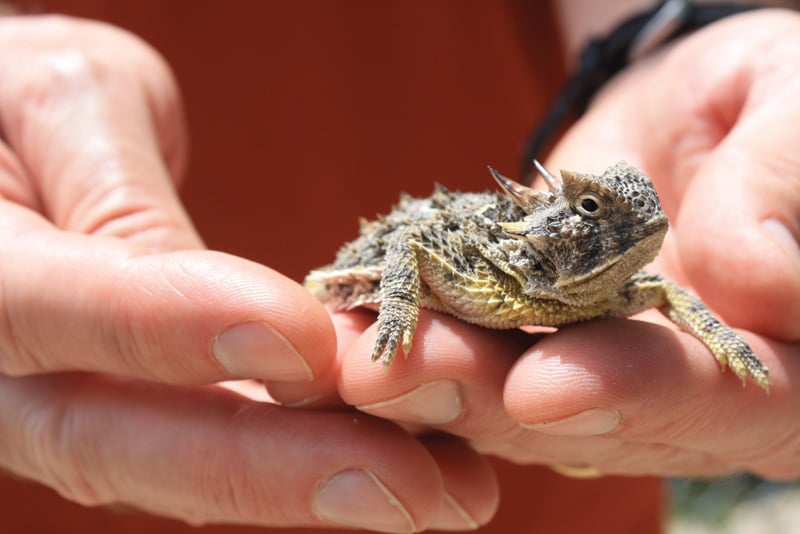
{"points": [[523, 257]]}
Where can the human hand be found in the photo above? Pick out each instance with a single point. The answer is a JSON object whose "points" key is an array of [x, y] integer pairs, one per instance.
{"points": [[714, 122], [115, 326]]}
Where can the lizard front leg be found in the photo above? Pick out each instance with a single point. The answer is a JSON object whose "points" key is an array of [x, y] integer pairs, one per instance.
{"points": [[689, 312], [400, 285]]}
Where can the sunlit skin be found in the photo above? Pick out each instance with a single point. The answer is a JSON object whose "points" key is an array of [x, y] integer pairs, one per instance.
{"points": [[714, 128], [89, 200]]}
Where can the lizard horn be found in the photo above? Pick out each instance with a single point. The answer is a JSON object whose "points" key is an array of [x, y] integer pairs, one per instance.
{"points": [[524, 197], [552, 182]]}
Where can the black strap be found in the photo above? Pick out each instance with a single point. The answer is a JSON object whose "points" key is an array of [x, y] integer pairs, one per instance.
{"points": [[604, 57]]}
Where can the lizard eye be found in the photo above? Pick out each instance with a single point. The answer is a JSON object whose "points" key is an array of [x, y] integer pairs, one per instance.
{"points": [[589, 205]]}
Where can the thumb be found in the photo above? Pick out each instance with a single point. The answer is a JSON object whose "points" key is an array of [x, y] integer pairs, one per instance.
{"points": [[716, 128], [93, 137], [738, 234], [75, 302]]}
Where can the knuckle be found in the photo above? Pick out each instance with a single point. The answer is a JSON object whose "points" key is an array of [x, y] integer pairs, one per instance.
{"points": [[130, 335], [779, 461], [56, 55], [62, 454], [133, 335], [15, 185], [150, 322], [229, 484], [16, 357]]}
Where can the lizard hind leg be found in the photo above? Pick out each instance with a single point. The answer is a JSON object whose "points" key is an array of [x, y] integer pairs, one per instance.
{"points": [[400, 286], [688, 312]]}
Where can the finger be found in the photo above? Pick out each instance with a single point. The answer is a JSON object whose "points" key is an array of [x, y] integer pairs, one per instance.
{"points": [[603, 455], [205, 455], [14, 185], [98, 127], [185, 317], [323, 391], [646, 384], [739, 223], [471, 488], [715, 129], [452, 379], [420, 394], [748, 269]]}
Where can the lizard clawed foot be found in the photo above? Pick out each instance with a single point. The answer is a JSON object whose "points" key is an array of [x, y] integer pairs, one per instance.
{"points": [[731, 348], [394, 332]]}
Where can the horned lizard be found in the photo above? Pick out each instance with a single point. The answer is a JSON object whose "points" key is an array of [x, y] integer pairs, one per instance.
{"points": [[522, 257]]}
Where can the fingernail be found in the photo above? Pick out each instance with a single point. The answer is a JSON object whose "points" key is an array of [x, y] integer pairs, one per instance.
{"points": [[358, 499], [257, 350], [433, 403], [453, 516], [592, 422], [782, 237], [306, 402]]}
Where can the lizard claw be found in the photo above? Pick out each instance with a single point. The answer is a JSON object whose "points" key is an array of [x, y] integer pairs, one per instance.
{"points": [[393, 333], [728, 347], [732, 351], [743, 361]]}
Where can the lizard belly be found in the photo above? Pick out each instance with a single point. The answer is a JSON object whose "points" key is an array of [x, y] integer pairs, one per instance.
{"points": [[490, 298]]}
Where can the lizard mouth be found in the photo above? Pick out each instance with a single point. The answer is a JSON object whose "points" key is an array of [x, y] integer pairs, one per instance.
{"points": [[589, 276], [621, 266]]}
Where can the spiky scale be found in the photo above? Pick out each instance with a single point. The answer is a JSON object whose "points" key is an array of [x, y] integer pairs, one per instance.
{"points": [[523, 257]]}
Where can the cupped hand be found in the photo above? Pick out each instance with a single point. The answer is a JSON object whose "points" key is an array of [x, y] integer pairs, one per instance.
{"points": [[116, 327], [714, 121]]}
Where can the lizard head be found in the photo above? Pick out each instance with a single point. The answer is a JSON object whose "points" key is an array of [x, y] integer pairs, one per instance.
{"points": [[589, 230]]}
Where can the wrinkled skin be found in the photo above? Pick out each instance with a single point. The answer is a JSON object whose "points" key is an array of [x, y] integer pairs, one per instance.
{"points": [[715, 126], [711, 122], [117, 328]]}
